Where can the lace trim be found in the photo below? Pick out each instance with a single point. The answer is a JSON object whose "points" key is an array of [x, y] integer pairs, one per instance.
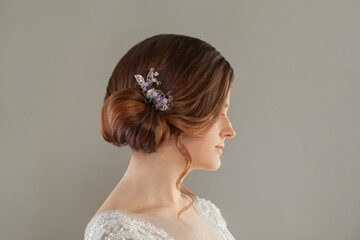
{"points": [[215, 218], [114, 225]]}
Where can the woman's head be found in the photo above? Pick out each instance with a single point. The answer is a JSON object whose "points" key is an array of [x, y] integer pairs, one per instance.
{"points": [[198, 76], [200, 80]]}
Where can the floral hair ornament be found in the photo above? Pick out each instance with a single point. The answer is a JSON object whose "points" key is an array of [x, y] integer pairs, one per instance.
{"points": [[155, 97]]}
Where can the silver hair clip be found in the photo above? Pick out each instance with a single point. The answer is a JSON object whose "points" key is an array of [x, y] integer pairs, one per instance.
{"points": [[156, 97]]}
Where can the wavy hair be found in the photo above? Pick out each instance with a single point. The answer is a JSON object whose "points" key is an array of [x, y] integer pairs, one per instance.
{"points": [[199, 78]]}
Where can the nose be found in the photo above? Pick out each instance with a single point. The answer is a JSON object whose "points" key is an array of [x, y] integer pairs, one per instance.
{"points": [[231, 133], [228, 131]]}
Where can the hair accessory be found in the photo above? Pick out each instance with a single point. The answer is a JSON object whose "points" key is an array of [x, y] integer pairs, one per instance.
{"points": [[156, 97]]}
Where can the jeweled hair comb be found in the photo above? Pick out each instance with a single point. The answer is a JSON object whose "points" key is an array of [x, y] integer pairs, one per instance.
{"points": [[155, 97]]}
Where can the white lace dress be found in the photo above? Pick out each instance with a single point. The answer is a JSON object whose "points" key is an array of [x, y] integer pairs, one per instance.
{"points": [[116, 224]]}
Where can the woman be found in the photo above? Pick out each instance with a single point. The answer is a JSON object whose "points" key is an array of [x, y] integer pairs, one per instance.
{"points": [[167, 99]]}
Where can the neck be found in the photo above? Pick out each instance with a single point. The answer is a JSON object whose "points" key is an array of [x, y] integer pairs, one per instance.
{"points": [[150, 179]]}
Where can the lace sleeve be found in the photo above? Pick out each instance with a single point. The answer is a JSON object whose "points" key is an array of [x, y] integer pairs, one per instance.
{"points": [[112, 225], [215, 218], [105, 227]]}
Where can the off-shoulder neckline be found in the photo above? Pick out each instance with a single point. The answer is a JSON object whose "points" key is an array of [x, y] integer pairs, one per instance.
{"points": [[151, 217]]}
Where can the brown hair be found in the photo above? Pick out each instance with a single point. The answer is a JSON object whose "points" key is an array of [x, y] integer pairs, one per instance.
{"points": [[199, 78]]}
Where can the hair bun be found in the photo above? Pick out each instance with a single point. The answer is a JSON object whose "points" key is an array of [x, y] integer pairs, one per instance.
{"points": [[127, 119]]}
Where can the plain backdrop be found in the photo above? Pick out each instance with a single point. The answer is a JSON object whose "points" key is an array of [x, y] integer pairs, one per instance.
{"points": [[292, 172]]}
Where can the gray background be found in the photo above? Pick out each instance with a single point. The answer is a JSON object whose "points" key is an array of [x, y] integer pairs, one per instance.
{"points": [[292, 172]]}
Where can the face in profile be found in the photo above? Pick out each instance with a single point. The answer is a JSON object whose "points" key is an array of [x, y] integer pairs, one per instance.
{"points": [[203, 150]]}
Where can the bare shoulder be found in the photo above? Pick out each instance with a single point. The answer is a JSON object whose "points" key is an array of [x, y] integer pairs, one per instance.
{"points": [[119, 200], [104, 207], [114, 202], [111, 202]]}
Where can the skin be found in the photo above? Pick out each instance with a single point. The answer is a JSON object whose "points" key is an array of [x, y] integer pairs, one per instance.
{"points": [[148, 185]]}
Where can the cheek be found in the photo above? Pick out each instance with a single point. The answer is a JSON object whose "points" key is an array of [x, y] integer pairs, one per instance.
{"points": [[203, 152], [203, 148]]}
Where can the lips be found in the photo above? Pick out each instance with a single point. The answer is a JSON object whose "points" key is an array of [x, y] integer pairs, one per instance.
{"points": [[219, 148]]}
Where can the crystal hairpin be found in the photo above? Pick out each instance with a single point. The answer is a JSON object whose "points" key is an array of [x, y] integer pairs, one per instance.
{"points": [[156, 97]]}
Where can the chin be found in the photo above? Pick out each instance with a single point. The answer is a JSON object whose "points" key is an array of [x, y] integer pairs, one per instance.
{"points": [[212, 165], [215, 167]]}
